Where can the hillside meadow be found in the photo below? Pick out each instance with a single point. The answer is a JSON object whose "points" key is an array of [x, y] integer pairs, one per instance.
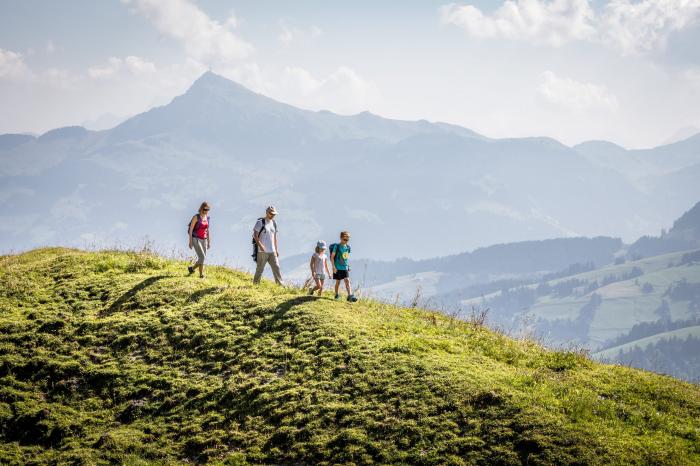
{"points": [[119, 357]]}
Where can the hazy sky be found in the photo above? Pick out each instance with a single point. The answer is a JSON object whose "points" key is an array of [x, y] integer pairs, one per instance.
{"points": [[625, 71]]}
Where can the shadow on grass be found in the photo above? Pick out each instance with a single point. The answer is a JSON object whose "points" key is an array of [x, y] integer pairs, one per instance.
{"points": [[197, 295], [277, 318], [123, 299]]}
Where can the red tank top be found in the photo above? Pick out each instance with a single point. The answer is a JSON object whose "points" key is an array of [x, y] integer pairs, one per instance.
{"points": [[201, 228]]}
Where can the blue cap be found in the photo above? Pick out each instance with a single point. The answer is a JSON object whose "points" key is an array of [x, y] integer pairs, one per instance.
{"points": [[321, 244]]}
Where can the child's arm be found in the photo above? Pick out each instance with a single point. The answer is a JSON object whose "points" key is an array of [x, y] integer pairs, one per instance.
{"points": [[311, 265], [333, 260], [325, 262]]}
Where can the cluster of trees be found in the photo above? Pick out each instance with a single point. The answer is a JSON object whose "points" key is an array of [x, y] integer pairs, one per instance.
{"points": [[634, 272], [571, 330], [573, 269], [690, 257], [672, 356], [524, 259], [683, 291], [511, 301], [647, 329], [510, 286], [580, 287]]}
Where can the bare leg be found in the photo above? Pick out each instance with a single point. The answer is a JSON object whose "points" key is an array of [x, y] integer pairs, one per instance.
{"points": [[317, 286], [337, 287], [319, 283], [347, 286]]}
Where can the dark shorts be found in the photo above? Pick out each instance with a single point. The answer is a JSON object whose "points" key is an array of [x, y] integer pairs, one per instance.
{"points": [[340, 275]]}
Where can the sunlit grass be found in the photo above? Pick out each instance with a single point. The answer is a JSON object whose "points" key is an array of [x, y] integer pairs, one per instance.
{"points": [[120, 357]]}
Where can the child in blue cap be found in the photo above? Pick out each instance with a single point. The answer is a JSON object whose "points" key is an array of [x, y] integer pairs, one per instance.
{"points": [[319, 267]]}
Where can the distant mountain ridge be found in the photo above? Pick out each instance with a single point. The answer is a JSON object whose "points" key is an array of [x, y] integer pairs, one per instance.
{"points": [[684, 234], [394, 183]]}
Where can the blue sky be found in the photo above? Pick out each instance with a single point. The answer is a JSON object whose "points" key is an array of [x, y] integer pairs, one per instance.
{"points": [[570, 69]]}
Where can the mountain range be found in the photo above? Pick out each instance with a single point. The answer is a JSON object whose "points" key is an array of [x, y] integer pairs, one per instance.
{"points": [[404, 188]]}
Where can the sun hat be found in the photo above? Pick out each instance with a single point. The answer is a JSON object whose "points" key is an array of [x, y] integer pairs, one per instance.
{"points": [[271, 209], [321, 244]]}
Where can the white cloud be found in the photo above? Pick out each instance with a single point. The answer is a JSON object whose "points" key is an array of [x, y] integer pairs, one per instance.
{"points": [[250, 75], [114, 64], [133, 64], [316, 31], [50, 47], [343, 91], [636, 27], [627, 26], [12, 66], [301, 80], [287, 35], [575, 95], [61, 79], [232, 22], [138, 66], [203, 38], [553, 23], [290, 34]]}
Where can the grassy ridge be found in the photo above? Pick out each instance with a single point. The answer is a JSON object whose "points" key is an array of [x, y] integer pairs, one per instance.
{"points": [[118, 357]]}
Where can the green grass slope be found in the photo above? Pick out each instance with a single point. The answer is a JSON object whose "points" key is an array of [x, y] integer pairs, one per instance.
{"points": [[120, 358]]}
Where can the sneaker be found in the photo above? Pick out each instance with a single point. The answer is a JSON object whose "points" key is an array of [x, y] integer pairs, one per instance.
{"points": [[352, 298], [311, 291], [202, 276], [337, 297], [190, 269]]}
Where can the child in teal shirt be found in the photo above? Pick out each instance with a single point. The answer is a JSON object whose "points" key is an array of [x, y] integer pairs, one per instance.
{"points": [[340, 254]]}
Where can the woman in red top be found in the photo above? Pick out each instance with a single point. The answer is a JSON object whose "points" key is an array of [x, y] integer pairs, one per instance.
{"points": [[200, 239]]}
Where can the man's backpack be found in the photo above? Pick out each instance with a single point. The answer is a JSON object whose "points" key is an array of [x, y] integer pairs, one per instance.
{"points": [[262, 230]]}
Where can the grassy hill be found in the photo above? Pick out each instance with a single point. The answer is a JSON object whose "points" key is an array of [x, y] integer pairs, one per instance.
{"points": [[119, 357]]}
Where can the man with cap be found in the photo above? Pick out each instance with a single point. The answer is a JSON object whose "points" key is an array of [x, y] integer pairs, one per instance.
{"points": [[265, 236]]}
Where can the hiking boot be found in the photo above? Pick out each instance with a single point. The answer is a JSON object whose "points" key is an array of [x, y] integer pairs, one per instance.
{"points": [[352, 298], [337, 297], [311, 291], [190, 269]]}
